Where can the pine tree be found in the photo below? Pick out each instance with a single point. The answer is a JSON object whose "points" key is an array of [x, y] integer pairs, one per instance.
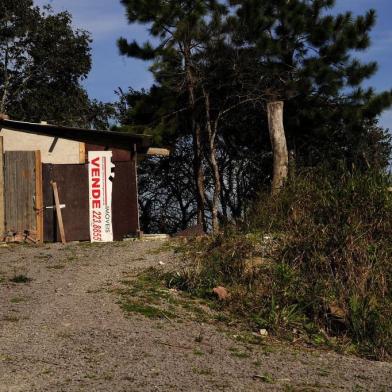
{"points": [[243, 60], [181, 29], [302, 53]]}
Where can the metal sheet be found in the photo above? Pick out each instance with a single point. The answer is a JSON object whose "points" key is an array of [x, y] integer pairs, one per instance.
{"points": [[125, 205], [72, 183]]}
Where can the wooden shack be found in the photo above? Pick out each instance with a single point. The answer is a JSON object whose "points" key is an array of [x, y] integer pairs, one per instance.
{"points": [[34, 156]]}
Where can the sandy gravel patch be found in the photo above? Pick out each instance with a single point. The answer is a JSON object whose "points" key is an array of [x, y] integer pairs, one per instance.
{"points": [[65, 331]]}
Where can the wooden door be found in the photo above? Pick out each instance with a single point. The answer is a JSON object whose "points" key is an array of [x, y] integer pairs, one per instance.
{"points": [[23, 195]]}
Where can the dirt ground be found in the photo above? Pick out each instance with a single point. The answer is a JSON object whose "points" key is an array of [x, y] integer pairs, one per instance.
{"points": [[64, 330]]}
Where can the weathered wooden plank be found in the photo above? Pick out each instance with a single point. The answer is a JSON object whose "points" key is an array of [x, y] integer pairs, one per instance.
{"points": [[82, 153], [125, 201], [163, 152], [2, 205], [19, 185], [39, 205], [58, 212]]}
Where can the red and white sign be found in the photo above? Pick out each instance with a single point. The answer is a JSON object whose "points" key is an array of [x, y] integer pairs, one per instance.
{"points": [[100, 178]]}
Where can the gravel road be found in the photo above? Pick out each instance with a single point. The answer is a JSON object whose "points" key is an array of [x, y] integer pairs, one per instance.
{"points": [[64, 330]]}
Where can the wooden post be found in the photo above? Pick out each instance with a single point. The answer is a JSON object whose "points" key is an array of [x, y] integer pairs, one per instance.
{"points": [[82, 153], [39, 204], [279, 145], [58, 212], [134, 157], [2, 191]]}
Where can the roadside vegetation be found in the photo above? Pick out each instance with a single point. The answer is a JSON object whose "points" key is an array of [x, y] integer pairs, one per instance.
{"points": [[253, 98], [311, 265]]}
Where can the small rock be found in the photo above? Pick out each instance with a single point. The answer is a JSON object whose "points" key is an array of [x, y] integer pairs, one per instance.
{"points": [[263, 332], [221, 292], [161, 263], [336, 311]]}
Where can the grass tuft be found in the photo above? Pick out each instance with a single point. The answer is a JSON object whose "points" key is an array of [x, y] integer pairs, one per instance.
{"points": [[20, 279]]}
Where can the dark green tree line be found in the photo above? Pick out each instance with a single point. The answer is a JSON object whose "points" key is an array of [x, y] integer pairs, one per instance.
{"points": [[43, 61], [220, 65]]}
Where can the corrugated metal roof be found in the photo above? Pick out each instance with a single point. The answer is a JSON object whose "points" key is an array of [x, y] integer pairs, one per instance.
{"points": [[119, 140]]}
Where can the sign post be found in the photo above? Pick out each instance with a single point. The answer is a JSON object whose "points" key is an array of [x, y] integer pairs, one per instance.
{"points": [[100, 195]]}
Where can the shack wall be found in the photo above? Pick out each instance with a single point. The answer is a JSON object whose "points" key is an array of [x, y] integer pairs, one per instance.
{"points": [[72, 183], [53, 150]]}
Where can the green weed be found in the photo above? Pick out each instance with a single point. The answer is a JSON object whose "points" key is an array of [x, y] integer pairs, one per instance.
{"points": [[20, 279], [56, 267], [202, 371], [11, 319], [266, 377], [145, 310], [17, 300]]}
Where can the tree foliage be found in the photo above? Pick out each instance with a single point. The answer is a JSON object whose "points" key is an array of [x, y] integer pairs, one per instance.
{"points": [[306, 56], [217, 65], [43, 61]]}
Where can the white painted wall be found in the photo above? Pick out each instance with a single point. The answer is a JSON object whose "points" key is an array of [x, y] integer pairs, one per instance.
{"points": [[64, 152]]}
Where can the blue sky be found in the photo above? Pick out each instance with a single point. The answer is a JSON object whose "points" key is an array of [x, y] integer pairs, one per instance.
{"points": [[106, 21]]}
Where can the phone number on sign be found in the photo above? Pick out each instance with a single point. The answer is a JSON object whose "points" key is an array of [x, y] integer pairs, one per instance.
{"points": [[97, 226]]}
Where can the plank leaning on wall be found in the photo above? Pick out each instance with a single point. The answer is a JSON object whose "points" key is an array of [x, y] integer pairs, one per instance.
{"points": [[39, 204], [2, 205]]}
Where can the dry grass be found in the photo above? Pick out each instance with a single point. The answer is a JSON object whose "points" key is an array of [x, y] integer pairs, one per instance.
{"points": [[311, 265]]}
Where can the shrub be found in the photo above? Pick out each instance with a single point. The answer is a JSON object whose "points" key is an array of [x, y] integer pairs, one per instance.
{"points": [[316, 261]]}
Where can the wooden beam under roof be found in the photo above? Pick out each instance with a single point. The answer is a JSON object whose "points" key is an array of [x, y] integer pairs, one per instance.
{"points": [[161, 152]]}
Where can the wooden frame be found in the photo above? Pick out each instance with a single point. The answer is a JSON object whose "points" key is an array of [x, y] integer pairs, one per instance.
{"points": [[58, 212], [82, 152], [39, 207], [2, 201], [134, 157]]}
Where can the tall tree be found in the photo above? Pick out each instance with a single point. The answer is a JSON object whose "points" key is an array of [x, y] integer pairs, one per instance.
{"points": [[16, 24], [179, 27], [299, 50], [43, 60], [259, 56]]}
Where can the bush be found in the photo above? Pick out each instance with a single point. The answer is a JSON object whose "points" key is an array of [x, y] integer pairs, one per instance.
{"points": [[318, 262]]}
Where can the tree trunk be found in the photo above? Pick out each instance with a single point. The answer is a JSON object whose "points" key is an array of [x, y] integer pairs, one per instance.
{"points": [[197, 142], [279, 145], [217, 189], [199, 176], [3, 102], [211, 134]]}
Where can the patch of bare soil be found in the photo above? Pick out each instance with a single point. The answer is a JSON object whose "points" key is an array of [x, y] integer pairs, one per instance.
{"points": [[63, 328]]}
